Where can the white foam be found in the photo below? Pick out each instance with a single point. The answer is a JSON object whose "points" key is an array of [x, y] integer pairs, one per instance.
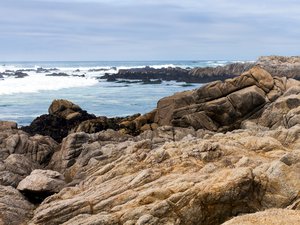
{"points": [[39, 82]]}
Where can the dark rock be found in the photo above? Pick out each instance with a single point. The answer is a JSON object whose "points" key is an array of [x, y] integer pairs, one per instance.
{"points": [[43, 70], [63, 116], [98, 70], [111, 79], [20, 74], [58, 75], [208, 74], [197, 75], [74, 75]]}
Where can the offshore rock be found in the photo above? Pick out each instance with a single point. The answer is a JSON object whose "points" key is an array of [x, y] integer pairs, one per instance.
{"points": [[63, 117], [209, 74], [20, 154]]}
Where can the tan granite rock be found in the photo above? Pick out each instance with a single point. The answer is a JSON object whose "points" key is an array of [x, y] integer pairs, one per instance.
{"points": [[268, 217]]}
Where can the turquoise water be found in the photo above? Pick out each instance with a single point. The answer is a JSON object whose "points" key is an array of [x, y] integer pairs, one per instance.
{"points": [[24, 99]]}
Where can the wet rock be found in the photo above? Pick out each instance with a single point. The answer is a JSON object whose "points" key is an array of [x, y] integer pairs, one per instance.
{"points": [[62, 118]]}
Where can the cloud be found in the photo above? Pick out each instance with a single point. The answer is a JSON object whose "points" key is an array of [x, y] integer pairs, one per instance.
{"points": [[149, 29]]}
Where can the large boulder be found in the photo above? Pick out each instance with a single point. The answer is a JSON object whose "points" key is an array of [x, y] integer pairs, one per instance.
{"points": [[220, 106], [41, 184], [15, 168]]}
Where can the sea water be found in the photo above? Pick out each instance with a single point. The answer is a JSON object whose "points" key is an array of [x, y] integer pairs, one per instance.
{"points": [[23, 99]]}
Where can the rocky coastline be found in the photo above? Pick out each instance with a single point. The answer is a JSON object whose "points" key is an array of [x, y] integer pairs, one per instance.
{"points": [[225, 153], [276, 65]]}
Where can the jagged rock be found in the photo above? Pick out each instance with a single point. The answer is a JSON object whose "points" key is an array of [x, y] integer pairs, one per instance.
{"points": [[201, 179], [282, 112], [220, 105], [67, 110], [209, 74], [78, 148], [268, 217], [62, 118], [14, 208], [37, 148], [281, 66], [41, 184], [15, 168]]}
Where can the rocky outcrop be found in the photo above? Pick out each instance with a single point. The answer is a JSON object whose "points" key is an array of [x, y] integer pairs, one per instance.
{"points": [[281, 66], [202, 157], [268, 217], [14, 208], [221, 106], [20, 154], [197, 75], [208, 74], [15, 168], [204, 178], [63, 116], [37, 148], [41, 184], [15, 74], [148, 73]]}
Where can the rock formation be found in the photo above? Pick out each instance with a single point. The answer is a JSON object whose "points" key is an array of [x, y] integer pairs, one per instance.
{"points": [[220, 106], [281, 66], [63, 116], [206, 156], [276, 65], [41, 184]]}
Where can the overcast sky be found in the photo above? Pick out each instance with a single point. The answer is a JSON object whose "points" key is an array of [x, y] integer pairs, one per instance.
{"points": [[148, 29]]}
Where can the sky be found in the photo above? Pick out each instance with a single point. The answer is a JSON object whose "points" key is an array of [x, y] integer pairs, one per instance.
{"points": [[60, 30]]}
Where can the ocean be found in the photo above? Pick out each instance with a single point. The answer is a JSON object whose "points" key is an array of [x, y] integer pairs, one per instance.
{"points": [[23, 99]]}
